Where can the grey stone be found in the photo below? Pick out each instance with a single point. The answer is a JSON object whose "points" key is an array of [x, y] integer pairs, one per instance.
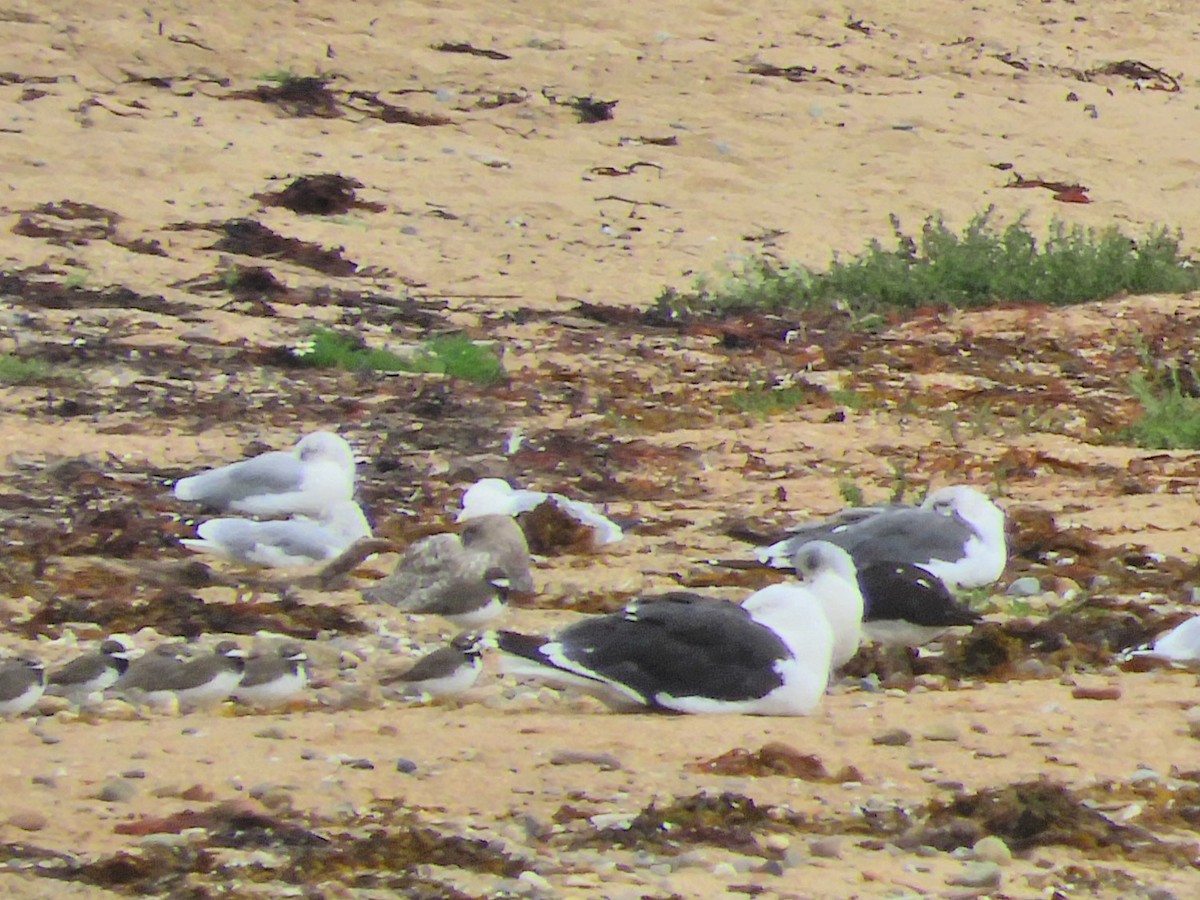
{"points": [[977, 875], [1025, 586]]}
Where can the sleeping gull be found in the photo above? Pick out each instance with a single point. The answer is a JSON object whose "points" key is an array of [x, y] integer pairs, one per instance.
{"points": [[495, 496], [905, 605], [306, 480], [286, 543], [956, 534], [463, 577], [683, 652], [1179, 645]]}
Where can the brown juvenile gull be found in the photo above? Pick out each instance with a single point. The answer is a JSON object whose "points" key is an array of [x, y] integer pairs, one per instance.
{"points": [[462, 577]]}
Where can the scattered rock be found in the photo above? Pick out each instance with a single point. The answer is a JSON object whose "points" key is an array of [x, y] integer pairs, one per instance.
{"points": [[405, 766], [977, 875], [992, 849], [941, 731], [895, 737], [272, 733], [359, 762], [606, 762], [1096, 692], [29, 820], [117, 790], [1026, 586], [826, 847]]}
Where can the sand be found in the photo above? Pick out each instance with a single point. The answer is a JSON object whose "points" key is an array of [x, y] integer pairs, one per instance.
{"points": [[499, 221]]}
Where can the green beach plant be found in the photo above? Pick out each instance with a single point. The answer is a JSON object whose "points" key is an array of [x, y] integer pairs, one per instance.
{"points": [[981, 265], [15, 370], [454, 355]]}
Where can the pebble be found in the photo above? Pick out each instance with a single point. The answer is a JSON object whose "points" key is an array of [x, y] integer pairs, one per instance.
{"points": [[134, 773], [1193, 721], [45, 780], [1026, 586], [273, 733], [358, 763], [826, 847], [1096, 692], [977, 875], [606, 762], [116, 790], [535, 881], [308, 753], [29, 820], [895, 737], [777, 842], [405, 766], [992, 849], [724, 870], [941, 731]]}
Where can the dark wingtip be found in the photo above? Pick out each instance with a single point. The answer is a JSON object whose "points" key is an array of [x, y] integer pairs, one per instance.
{"points": [[526, 645]]}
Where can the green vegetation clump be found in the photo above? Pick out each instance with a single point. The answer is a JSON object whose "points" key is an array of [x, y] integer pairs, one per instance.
{"points": [[14, 370], [764, 400], [453, 355], [1171, 417], [982, 265]]}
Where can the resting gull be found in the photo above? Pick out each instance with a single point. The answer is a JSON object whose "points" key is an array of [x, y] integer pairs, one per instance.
{"points": [[306, 480], [283, 543], [463, 577], [905, 605], [495, 496], [682, 652], [956, 534]]}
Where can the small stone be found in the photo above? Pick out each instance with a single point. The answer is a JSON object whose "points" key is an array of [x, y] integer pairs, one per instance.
{"points": [[535, 881], [895, 737], [116, 790], [388, 731], [1026, 586], [992, 849], [1097, 692], [308, 753], [405, 766], [606, 762], [273, 733], [977, 875], [29, 820], [197, 792], [724, 870], [941, 731], [134, 773], [777, 842], [826, 847], [358, 763], [48, 781], [771, 867]]}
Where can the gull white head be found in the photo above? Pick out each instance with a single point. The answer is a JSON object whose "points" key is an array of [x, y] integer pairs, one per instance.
{"points": [[829, 573], [489, 496], [987, 521], [973, 507], [325, 446]]}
